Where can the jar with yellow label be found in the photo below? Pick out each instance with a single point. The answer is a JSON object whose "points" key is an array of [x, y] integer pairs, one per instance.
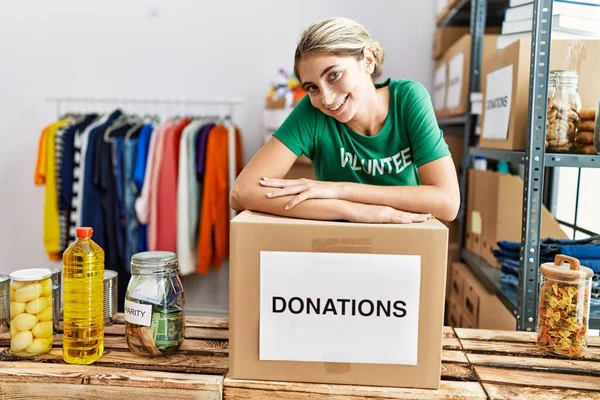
{"points": [[31, 327]]}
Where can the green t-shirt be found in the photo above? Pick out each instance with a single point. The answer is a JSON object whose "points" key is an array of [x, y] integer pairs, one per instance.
{"points": [[409, 138]]}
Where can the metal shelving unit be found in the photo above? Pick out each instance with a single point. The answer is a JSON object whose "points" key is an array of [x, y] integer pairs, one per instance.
{"points": [[534, 158]]}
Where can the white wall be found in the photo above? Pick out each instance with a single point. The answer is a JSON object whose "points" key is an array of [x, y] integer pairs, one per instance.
{"points": [[159, 49]]}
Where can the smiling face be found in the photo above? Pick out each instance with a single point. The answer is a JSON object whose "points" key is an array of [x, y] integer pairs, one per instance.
{"points": [[337, 85]]}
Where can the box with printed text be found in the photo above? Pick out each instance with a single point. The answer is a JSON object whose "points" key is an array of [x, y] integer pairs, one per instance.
{"points": [[336, 302]]}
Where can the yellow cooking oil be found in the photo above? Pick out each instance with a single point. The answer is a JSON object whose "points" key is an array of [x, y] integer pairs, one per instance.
{"points": [[83, 285]]}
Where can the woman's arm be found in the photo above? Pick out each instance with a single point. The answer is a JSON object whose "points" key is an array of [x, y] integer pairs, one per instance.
{"points": [[274, 159], [439, 193]]}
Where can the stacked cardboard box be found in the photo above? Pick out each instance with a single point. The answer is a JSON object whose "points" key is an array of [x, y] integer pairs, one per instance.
{"points": [[494, 213], [471, 305]]}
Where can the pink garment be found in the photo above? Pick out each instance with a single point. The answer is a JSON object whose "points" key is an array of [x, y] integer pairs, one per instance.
{"points": [[142, 209], [166, 227], [153, 201]]}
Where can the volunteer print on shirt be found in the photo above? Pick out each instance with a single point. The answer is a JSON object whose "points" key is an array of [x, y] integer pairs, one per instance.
{"points": [[388, 165]]}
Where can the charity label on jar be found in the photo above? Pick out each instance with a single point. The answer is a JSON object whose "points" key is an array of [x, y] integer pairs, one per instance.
{"points": [[139, 314]]}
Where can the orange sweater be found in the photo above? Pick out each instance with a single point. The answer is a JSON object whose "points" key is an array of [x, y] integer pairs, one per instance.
{"points": [[213, 241]]}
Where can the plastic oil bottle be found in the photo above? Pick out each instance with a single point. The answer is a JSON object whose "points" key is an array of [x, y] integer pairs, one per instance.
{"points": [[83, 316]]}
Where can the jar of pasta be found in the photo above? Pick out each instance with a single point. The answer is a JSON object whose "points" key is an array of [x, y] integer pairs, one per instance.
{"points": [[564, 307], [31, 312], [562, 116]]}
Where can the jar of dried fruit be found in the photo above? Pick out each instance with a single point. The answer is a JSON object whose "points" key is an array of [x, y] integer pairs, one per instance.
{"points": [[564, 307], [564, 105]]}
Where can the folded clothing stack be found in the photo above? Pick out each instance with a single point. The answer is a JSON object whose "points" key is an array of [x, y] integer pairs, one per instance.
{"points": [[586, 250]]}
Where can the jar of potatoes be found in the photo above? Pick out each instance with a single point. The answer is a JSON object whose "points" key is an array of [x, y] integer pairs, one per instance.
{"points": [[31, 327]]}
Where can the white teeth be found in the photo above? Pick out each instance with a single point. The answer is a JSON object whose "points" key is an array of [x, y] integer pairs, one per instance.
{"points": [[341, 104]]}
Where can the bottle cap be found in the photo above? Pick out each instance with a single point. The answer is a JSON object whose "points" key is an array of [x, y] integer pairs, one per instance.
{"points": [[84, 232], [33, 274]]}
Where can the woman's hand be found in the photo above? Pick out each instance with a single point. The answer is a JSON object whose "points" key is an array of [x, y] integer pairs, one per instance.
{"points": [[304, 189], [368, 213]]}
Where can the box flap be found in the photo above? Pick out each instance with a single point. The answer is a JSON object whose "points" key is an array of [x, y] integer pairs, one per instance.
{"points": [[262, 218]]}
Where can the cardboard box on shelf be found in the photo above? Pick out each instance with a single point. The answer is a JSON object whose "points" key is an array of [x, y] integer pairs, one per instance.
{"points": [[505, 84], [457, 283], [446, 36], [453, 256], [473, 220], [498, 197], [314, 301], [454, 314], [478, 307], [458, 59], [456, 144], [440, 87]]}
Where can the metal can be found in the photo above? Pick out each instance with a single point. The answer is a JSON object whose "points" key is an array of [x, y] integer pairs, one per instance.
{"points": [[111, 307], [4, 304]]}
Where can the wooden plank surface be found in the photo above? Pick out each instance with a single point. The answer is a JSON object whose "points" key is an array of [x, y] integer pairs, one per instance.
{"points": [[508, 336], [32, 372], [511, 392], [518, 349], [179, 362], [61, 391], [454, 356], [536, 363], [234, 389], [539, 379]]}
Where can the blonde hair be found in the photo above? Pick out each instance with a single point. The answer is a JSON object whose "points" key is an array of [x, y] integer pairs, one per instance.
{"points": [[340, 37]]}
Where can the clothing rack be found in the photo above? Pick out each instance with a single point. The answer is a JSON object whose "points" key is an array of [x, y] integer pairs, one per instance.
{"points": [[224, 108]]}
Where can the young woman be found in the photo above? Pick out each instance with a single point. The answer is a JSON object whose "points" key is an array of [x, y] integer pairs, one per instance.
{"points": [[378, 153]]}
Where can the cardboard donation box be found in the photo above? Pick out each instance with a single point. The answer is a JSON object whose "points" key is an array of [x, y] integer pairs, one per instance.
{"points": [[505, 84], [336, 302], [451, 76]]}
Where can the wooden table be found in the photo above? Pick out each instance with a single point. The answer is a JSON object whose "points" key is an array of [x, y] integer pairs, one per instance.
{"points": [[476, 364]]}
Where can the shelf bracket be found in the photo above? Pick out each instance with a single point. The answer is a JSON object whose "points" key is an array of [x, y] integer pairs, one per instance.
{"points": [[534, 166]]}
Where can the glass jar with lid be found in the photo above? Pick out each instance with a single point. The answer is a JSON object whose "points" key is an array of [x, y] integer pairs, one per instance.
{"points": [[564, 105], [154, 305], [564, 307], [31, 312]]}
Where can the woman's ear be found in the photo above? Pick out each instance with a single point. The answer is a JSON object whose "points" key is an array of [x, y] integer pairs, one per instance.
{"points": [[368, 60]]}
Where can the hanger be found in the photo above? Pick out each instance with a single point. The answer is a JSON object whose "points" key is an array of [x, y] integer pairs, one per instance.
{"points": [[137, 125], [120, 122]]}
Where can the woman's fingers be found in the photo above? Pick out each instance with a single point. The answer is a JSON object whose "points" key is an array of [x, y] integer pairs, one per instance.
{"points": [[298, 199], [287, 191], [280, 183]]}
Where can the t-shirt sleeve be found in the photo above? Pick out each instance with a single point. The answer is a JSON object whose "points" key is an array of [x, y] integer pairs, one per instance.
{"points": [[426, 138], [297, 132]]}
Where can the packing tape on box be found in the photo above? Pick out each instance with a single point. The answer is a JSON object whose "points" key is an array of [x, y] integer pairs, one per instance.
{"points": [[343, 245], [337, 368]]}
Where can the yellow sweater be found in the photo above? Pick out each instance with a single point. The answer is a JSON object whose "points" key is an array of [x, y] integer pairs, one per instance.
{"points": [[45, 173]]}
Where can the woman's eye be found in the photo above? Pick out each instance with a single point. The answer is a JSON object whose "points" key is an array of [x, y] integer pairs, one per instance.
{"points": [[334, 75], [312, 89]]}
